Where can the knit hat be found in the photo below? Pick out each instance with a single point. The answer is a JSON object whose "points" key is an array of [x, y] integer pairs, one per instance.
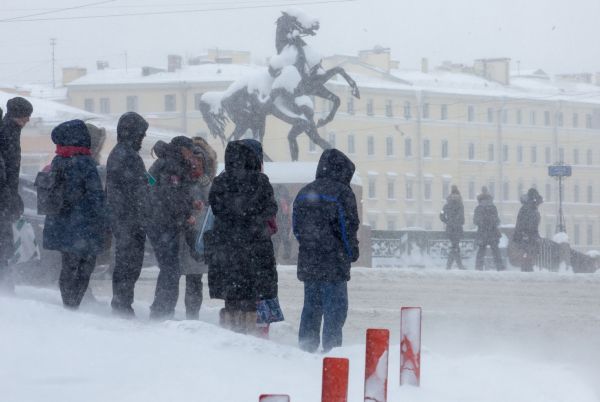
{"points": [[71, 133], [19, 107]]}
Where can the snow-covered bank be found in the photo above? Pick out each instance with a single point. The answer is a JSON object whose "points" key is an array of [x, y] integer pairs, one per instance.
{"points": [[50, 354]]}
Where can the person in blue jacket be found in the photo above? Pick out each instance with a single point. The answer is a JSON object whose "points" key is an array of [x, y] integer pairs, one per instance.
{"points": [[80, 230], [325, 222]]}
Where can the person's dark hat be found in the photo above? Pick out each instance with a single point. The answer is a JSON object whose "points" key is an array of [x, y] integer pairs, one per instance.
{"points": [[18, 107], [131, 125], [73, 133], [183, 142]]}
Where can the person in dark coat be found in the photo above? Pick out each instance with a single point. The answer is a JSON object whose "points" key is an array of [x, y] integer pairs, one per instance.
{"points": [[171, 206], [453, 215], [11, 205], [526, 236], [80, 230], [127, 195], [325, 222], [487, 220], [242, 268]]}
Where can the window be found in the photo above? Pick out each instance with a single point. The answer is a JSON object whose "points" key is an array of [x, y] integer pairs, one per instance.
{"points": [[407, 147], [470, 113], [369, 107], [407, 112], [589, 159], [576, 239], [350, 105], [561, 154], [351, 148], [427, 190], [504, 116], [548, 195], [370, 145], [373, 221], [520, 190], [588, 121], [197, 101], [391, 224], [389, 111], [332, 139], [445, 149], [576, 193], [548, 155], [492, 188], [575, 120], [471, 190], [490, 115], [590, 234], [546, 118], [534, 154], [389, 146], [532, 118], [590, 194], [520, 153], [88, 104], [132, 104], [506, 191], [445, 189], [372, 187], [444, 112], [490, 152], [425, 110], [104, 105], [426, 149], [471, 151], [409, 189], [391, 189], [170, 103], [559, 119], [519, 116], [576, 157]]}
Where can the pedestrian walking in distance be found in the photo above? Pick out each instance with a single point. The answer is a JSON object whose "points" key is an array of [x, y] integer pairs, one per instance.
{"points": [[453, 215], [487, 221]]}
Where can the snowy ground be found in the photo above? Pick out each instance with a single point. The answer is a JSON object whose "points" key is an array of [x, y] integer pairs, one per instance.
{"points": [[487, 336]]}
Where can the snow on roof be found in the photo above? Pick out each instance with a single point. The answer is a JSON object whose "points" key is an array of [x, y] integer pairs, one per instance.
{"points": [[200, 73], [293, 172], [46, 111]]}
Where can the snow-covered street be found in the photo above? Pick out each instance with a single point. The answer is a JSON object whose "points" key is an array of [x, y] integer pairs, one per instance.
{"points": [[487, 336]]}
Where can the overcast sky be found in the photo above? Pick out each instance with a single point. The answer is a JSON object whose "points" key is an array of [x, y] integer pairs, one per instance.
{"points": [[556, 35]]}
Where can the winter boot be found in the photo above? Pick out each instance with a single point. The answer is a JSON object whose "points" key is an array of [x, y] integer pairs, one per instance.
{"points": [[225, 319], [249, 323]]}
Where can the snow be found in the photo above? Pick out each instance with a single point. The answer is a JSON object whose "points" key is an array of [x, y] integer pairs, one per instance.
{"points": [[304, 101], [303, 18], [475, 349], [288, 79], [560, 238], [48, 112], [287, 57]]}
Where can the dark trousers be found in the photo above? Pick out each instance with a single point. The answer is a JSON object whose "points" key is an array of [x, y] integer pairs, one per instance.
{"points": [[6, 252], [454, 254], [166, 249], [327, 301], [129, 257], [75, 277], [495, 252], [193, 296]]}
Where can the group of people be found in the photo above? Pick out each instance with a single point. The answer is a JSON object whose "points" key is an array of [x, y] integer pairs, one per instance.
{"points": [[525, 240], [177, 204]]}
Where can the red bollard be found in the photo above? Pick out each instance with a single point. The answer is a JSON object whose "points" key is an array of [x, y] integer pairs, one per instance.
{"points": [[274, 398], [376, 365], [410, 346], [335, 380]]}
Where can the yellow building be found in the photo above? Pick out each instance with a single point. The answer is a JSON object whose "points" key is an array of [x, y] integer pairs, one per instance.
{"points": [[412, 133]]}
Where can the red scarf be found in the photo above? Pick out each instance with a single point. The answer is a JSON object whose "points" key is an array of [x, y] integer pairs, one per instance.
{"points": [[67, 151]]}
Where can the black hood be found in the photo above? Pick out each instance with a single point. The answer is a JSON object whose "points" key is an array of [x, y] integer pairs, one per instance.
{"points": [[485, 199], [72, 133], [131, 128], [336, 166], [243, 155], [18, 107]]}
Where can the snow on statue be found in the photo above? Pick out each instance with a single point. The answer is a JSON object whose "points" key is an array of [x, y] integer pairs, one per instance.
{"points": [[283, 90]]}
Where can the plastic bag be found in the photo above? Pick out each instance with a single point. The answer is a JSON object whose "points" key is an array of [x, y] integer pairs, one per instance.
{"points": [[26, 247], [268, 311], [209, 220]]}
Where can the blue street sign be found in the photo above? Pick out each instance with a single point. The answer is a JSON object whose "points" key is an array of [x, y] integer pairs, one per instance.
{"points": [[559, 170]]}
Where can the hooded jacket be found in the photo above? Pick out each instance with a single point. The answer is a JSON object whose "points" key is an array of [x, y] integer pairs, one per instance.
{"points": [[453, 215], [81, 227], [528, 219], [126, 181], [242, 266], [486, 219], [325, 221]]}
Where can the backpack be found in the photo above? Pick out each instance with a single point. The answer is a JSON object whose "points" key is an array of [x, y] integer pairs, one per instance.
{"points": [[50, 191]]}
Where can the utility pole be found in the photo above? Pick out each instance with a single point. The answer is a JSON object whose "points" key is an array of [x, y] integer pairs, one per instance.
{"points": [[53, 45]]}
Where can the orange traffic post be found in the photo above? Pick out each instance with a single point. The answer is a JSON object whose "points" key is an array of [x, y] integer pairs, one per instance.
{"points": [[335, 379], [273, 398], [376, 365], [410, 346]]}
